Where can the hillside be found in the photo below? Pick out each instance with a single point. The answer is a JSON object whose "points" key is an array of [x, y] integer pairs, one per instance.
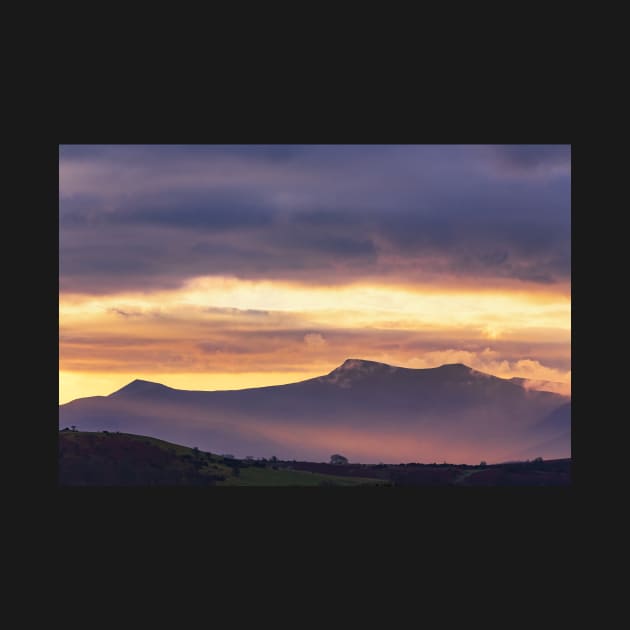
{"points": [[120, 459]]}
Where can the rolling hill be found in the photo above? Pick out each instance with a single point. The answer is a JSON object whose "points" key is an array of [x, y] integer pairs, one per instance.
{"points": [[122, 459]]}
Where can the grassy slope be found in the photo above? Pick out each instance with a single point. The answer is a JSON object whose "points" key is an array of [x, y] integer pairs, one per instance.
{"points": [[282, 477], [96, 458]]}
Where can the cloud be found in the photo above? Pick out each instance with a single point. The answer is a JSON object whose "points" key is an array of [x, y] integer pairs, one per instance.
{"points": [[533, 158], [315, 340], [123, 313], [494, 362], [151, 217], [238, 312], [222, 348], [563, 389]]}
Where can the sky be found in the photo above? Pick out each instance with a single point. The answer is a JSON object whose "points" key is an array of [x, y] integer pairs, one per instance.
{"points": [[230, 266]]}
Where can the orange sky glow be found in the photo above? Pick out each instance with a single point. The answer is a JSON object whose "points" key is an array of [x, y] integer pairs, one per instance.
{"points": [[222, 333]]}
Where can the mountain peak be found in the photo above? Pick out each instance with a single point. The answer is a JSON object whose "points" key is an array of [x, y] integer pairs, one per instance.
{"points": [[138, 387], [353, 370], [362, 365], [453, 367], [359, 364]]}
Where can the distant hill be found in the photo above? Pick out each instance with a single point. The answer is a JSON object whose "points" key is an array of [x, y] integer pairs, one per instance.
{"points": [[369, 411]]}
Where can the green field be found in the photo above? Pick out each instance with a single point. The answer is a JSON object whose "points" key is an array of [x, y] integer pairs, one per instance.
{"points": [[268, 477]]}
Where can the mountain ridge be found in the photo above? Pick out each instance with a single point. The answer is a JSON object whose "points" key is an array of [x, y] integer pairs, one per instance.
{"points": [[350, 367], [367, 409]]}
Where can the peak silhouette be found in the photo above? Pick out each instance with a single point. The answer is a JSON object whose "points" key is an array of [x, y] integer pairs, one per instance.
{"points": [[138, 387]]}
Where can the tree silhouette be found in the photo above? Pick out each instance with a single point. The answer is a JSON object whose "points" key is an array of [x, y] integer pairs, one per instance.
{"points": [[338, 459]]}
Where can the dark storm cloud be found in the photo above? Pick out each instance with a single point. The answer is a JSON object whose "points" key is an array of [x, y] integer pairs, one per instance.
{"points": [[210, 211], [340, 247], [533, 155], [142, 217], [167, 152]]}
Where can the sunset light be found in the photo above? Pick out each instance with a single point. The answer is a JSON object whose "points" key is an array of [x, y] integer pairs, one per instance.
{"points": [[214, 268]]}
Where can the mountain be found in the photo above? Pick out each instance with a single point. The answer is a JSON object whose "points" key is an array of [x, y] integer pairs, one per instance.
{"points": [[557, 422], [366, 410], [554, 435]]}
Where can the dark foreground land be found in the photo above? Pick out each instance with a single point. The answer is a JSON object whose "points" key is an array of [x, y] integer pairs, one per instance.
{"points": [[123, 459]]}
